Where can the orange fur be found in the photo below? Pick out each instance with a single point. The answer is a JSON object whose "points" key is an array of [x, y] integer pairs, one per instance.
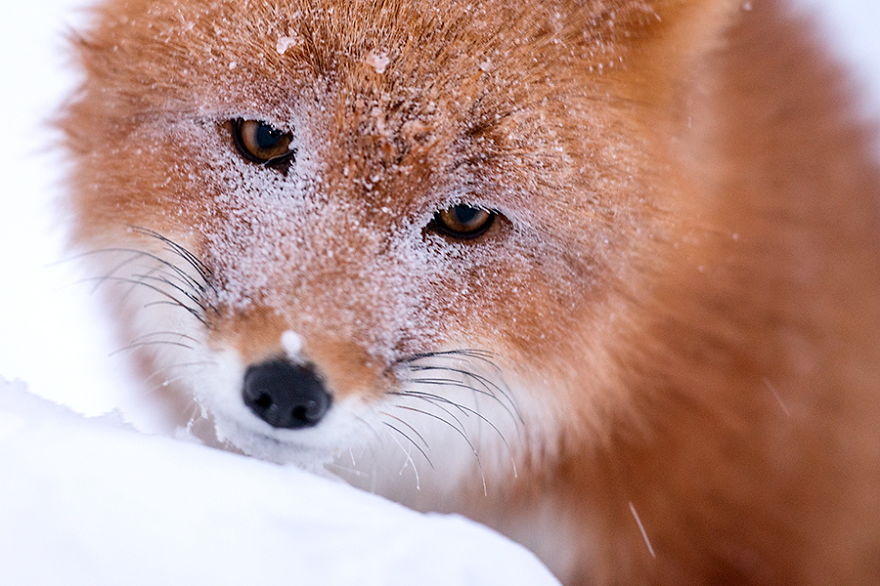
{"points": [[686, 279]]}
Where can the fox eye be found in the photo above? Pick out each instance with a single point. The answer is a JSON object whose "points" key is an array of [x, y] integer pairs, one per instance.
{"points": [[262, 143], [463, 222]]}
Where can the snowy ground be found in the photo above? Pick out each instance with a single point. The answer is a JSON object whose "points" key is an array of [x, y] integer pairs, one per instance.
{"points": [[49, 337], [92, 502]]}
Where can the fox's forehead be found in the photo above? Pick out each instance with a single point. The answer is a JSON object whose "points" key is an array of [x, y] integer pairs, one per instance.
{"points": [[396, 81], [398, 50], [349, 23], [378, 117], [476, 78]]}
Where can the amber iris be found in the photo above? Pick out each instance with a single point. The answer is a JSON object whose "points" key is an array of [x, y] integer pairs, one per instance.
{"points": [[262, 143], [463, 222]]}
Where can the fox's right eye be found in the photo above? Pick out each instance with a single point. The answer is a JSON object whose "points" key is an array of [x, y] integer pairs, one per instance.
{"points": [[262, 143], [463, 222]]}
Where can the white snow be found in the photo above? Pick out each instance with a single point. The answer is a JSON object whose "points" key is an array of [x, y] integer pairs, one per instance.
{"points": [[378, 61], [284, 43], [92, 503], [292, 344]]}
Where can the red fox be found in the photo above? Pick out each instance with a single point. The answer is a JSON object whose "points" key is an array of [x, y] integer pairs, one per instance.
{"points": [[601, 274]]}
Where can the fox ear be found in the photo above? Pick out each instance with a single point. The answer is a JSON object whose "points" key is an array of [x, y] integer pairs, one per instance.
{"points": [[647, 17], [684, 28], [663, 41]]}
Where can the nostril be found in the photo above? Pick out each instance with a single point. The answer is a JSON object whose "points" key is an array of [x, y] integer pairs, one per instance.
{"points": [[264, 401], [285, 395], [312, 411], [299, 413]]}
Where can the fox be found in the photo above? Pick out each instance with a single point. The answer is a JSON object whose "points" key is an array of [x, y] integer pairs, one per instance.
{"points": [[603, 275]]}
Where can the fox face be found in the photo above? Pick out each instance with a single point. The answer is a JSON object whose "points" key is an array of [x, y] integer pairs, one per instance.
{"points": [[419, 236]]}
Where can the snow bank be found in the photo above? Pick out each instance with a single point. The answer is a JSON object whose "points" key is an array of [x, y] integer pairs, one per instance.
{"points": [[91, 502]]}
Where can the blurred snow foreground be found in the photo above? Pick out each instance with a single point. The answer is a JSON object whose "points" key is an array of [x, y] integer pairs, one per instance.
{"points": [[91, 502]]}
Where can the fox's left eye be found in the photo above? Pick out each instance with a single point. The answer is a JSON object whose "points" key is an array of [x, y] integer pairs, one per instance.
{"points": [[463, 222], [262, 143]]}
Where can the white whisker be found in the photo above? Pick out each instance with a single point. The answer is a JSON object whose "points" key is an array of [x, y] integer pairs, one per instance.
{"points": [[777, 396], [635, 514]]}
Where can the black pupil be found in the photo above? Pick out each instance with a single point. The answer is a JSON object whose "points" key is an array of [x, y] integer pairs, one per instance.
{"points": [[466, 214], [267, 137]]}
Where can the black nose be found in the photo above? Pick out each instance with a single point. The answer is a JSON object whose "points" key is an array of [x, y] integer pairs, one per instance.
{"points": [[285, 395]]}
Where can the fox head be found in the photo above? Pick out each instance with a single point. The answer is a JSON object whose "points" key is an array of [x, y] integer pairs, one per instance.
{"points": [[414, 228]]}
